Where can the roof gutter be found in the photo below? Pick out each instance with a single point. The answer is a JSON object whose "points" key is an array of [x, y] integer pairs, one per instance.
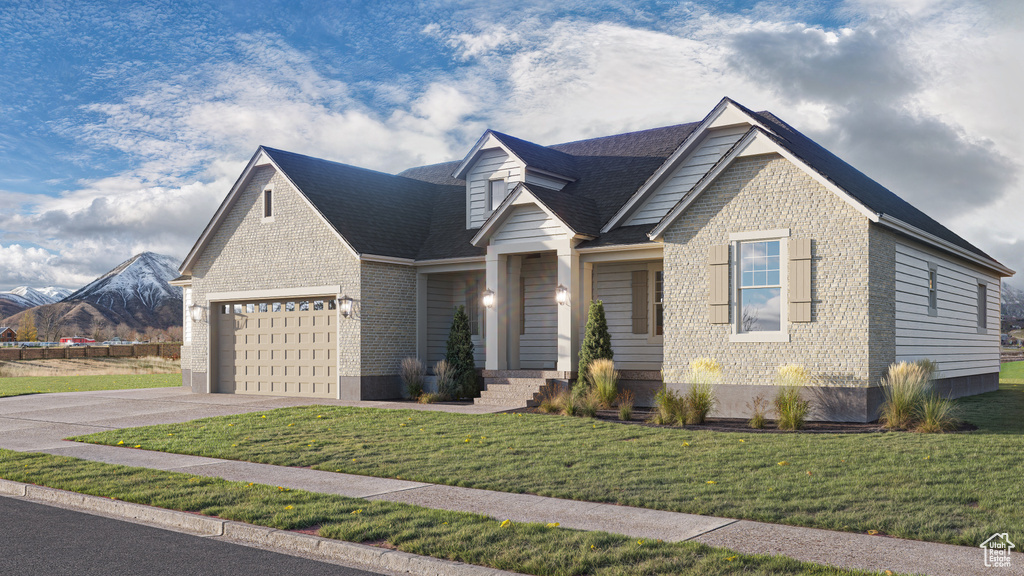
{"points": [[921, 235]]}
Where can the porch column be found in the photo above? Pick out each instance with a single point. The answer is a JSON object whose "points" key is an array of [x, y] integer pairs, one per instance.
{"points": [[496, 328], [569, 313]]}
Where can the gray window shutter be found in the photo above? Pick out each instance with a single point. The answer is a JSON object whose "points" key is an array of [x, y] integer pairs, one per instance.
{"points": [[718, 275], [640, 302], [800, 280]]}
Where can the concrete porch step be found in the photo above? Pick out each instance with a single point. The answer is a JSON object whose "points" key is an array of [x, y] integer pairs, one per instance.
{"points": [[505, 402], [511, 394], [519, 382]]}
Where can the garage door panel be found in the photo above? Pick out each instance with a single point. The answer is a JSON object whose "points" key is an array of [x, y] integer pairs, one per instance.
{"points": [[284, 352]]}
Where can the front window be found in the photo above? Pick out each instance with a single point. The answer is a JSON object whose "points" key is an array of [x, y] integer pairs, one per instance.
{"points": [[659, 302], [496, 193], [760, 290]]}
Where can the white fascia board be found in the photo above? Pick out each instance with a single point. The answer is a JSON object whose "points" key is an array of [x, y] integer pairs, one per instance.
{"points": [[298, 291], [925, 237], [181, 283], [520, 195], [628, 253], [724, 107], [460, 172], [387, 259], [758, 142], [232, 197]]}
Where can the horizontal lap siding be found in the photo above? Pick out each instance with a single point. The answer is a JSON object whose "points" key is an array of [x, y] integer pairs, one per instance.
{"points": [[714, 146], [491, 164], [950, 337], [538, 347], [528, 223], [445, 292], [613, 286]]}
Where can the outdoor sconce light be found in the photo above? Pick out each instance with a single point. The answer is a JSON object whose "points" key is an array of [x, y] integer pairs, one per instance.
{"points": [[345, 306], [488, 298], [562, 294], [196, 312]]}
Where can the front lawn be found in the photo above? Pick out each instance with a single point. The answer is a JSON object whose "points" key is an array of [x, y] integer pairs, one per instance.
{"points": [[45, 384], [956, 488], [526, 548]]}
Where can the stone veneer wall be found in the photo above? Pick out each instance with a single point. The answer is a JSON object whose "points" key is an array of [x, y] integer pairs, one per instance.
{"points": [[882, 292], [763, 193], [297, 249], [387, 315]]}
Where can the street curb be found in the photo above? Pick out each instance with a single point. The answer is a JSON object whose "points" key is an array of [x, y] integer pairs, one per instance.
{"points": [[283, 541]]}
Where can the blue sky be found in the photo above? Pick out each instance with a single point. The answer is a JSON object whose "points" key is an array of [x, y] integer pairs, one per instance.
{"points": [[124, 124]]}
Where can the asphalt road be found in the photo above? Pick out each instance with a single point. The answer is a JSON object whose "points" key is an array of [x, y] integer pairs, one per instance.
{"points": [[40, 540]]}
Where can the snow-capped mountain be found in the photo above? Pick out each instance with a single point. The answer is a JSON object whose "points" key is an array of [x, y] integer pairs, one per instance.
{"points": [[17, 299], [56, 293], [137, 288], [1013, 302], [41, 296]]}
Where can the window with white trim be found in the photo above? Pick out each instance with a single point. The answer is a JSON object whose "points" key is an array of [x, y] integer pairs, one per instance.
{"points": [[933, 290], [982, 307], [187, 330], [268, 204], [760, 286], [496, 192]]}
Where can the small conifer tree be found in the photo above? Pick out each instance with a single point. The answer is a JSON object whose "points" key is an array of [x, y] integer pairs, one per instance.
{"points": [[597, 342], [459, 354]]}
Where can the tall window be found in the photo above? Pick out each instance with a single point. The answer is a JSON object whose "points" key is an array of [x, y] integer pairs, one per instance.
{"points": [[496, 190], [933, 289], [473, 296], [268, 203], [760, 287], [187, 331], [982, 306], [659, 302]]}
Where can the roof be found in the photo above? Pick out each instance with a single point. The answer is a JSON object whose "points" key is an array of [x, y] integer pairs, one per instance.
{"points": [[426, 205]]}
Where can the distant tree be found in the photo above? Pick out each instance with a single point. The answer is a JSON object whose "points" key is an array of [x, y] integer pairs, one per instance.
{"points": [[101, 333], [51, 321], [125, 332], [174, 334], [27, 328], [459, 354], [597, 342]]}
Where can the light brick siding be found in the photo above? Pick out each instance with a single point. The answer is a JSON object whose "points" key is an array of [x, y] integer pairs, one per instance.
{"points": [[764, 193], [297, 249], [882, 287], [388, 317]]}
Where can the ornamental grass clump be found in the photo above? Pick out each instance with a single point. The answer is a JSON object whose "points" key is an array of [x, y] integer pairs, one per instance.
{"points": [[447, 386], [606, 381], [938, 415], [670, 407], [412, 373], [589, 402], [430, 398], [905, 388], [702, 375], [759, 412], [789, 404], [625, 401]]}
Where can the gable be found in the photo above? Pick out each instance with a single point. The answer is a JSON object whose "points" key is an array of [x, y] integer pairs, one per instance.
{"points": [[528, 222], [491, 164], [690, 170]]}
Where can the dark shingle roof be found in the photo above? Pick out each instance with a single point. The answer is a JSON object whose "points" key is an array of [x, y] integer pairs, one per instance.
{"points": [[540, 157], [376, 213]]}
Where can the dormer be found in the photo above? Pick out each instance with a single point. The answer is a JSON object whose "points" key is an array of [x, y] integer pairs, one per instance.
{"points": [[498, 162]]}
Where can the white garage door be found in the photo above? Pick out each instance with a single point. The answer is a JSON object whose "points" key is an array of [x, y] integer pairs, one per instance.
{"points": [[277, 347]]}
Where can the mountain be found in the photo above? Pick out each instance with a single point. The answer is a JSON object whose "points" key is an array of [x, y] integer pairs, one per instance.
{"points": [[135, 295], [1013, 302], [39, 297], [57, 294], [11, 304]]}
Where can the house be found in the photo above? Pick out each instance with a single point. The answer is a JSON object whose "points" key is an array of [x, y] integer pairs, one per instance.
{"points": [[7, 334], [735, 237]]}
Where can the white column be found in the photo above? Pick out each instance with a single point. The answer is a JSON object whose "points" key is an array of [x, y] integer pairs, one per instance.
{"points": [[515, 303], [421, 317], [497, 315], [569, 314]]}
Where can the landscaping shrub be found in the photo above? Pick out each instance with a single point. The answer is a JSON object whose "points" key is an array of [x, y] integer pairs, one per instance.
{"points": [[605, 378], [412, 373], [792, 409], [589, 402], [597, 341], [938, 414], [446, 384], [905, 388], [625, 405], [702, 375], [459, 354], [759, 407], [567, 401], [430, 398], [670, 407]]}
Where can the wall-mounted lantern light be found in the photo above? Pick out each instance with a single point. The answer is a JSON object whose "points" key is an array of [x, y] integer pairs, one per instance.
{"points": [[345, 306], [195, 311], [562, 294], [488, 298]]}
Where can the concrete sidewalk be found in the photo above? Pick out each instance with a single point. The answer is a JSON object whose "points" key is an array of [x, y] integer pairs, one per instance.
{"points": [[38, 423]]}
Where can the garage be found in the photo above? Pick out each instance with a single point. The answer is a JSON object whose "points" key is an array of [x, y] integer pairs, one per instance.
{"points": [[284, 347]]}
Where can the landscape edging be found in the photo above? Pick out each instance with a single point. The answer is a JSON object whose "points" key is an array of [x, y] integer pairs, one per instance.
{"points": [[279, 540]]}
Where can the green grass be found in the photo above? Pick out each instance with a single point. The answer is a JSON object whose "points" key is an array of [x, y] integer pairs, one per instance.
{"points": [[45, 384], [460, 536], [1012, 373], [955, 488]]}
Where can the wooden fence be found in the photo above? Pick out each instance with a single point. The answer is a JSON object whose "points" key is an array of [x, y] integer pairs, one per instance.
{"points": [[165, 349]]}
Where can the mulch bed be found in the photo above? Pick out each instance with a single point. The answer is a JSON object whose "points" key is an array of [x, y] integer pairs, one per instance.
{"points": [[641, 417]]}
